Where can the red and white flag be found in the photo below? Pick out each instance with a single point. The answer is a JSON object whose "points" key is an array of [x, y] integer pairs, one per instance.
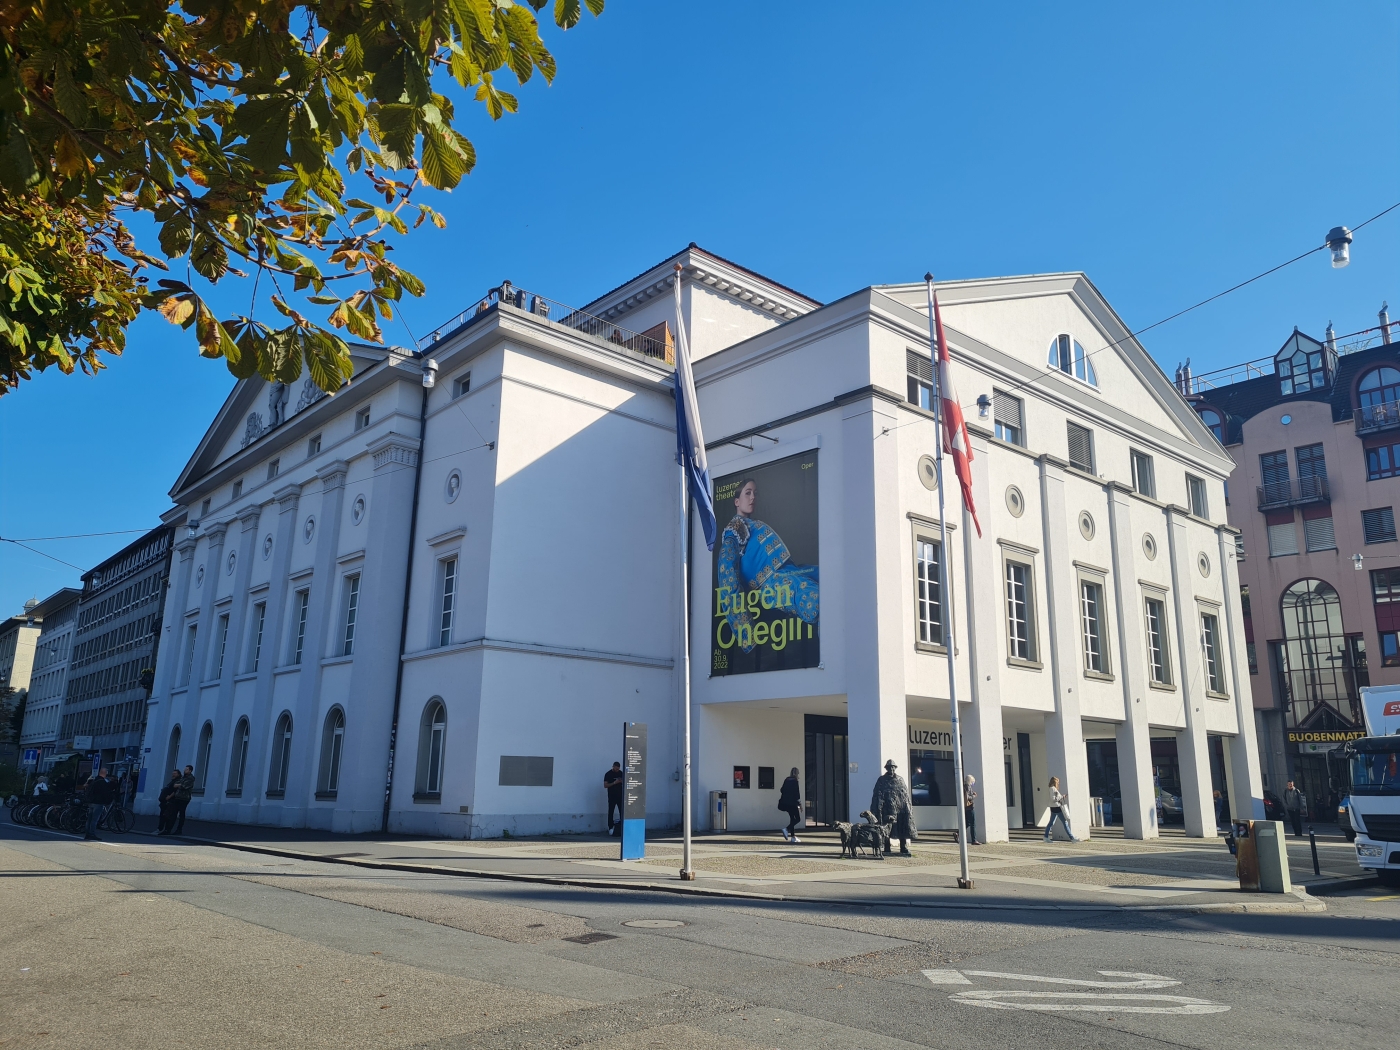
{"points": [[955, 440]]}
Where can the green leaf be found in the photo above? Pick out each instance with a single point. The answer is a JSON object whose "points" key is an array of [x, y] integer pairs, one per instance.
{"points": [[352, 55], [442, 163], [398, 127], [175, 235], [307, 147], [72, 101], [210, 257], [567, 13]]}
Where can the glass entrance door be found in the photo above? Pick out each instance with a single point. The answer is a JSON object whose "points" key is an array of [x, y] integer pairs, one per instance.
{"points": [[1023, 759], [828, 789]]}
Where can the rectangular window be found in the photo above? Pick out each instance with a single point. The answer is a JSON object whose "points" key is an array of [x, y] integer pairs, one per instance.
{"points": [[1010, 426], [1385, 586], [1378, 525], [303, 606], [352, 608], [1251, 653], [449, 601], [928, 596], [1091, 623], [1020, 623], [1311, 462], [273, 468], [1081, 447], [1196, 490], [1158, 661], [1390, 649], [313, 446], [461, 385], [237, 489], [1143, 480], [920, 379], [932, 778], [191, 633], [204, 508], [1210, 649], [1383, 461], [362, 418], [259, 618], [223, 647], [1319, 534], [1273, 472], [1283, 539]]}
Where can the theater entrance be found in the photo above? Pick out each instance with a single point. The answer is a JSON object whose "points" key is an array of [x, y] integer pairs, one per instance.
{"points": [[828, 789]]}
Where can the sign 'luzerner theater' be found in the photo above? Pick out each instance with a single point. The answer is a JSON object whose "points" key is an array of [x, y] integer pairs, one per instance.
{"points": [[1096, 620]]}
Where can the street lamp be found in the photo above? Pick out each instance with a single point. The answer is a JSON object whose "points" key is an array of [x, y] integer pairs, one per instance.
{"points": [[1339, 241]]}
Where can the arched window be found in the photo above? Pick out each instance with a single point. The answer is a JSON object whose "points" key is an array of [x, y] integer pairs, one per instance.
{"points": [[172, 754], [238, 760], [332, 746], [1213, 419], [432, 732], [281, 756], [1379, 394], [201, 756], [1069, 357], [1319, 661]]}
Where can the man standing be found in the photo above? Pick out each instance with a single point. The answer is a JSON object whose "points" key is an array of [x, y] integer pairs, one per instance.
{"points": [[790, 802], [183, 794], [613, 780], [1295, 803], [969, 810], [891, 804], [98, 793]]}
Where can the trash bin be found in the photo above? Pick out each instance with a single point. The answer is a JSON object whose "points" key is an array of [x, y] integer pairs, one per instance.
{"points": [[1246, 855], [719, 810], [1096, 812]]}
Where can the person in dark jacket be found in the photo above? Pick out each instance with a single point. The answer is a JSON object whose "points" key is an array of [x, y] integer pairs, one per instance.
{"points": [[615, 782], [1295, 804], [969, 809], [790, 802], [98, 793], [183, 793], [167, 803]]}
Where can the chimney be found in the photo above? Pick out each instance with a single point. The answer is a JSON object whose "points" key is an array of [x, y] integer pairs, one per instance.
{"points": [[1384, 316], [1330, 338], [1185, 383]]}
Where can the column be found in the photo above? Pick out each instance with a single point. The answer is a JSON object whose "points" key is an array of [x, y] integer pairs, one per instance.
{"points": [[190, 709], [875, 586], [1064, 732], [1192, 752], [1247, 786], [983, 729], [1139, 802], [167, 660], [217, 781], [306, 722]]}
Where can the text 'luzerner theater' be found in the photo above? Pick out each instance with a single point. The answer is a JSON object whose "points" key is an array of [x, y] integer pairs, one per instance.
{"points": [[462, 592]]}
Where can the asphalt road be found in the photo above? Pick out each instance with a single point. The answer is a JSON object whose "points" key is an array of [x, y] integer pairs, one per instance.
{"points": [[139, 943]]}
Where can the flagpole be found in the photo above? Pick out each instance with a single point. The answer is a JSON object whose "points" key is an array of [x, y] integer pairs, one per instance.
{"points": [[945, 584]]}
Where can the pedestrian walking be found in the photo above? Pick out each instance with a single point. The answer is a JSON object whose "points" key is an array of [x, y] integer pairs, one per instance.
{"points": [[98, 793], [1059, 802], [183, 793], [790, 802], [41, 787], [892, 805], [1295, 802], [166, 800], [1222, 815], [614, 781], [969, 809]]}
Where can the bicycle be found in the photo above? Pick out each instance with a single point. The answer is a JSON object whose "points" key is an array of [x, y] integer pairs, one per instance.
{"points": [[115, 819]]}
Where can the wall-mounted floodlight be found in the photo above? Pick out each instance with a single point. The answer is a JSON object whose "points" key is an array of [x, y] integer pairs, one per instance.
{"points": [[1339, 241]]}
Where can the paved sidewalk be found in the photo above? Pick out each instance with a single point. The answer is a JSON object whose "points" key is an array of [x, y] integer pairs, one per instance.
{"points": [[1108, 872]]}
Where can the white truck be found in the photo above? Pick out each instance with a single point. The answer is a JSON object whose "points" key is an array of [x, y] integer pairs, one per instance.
{"points": [[1373, 782]]}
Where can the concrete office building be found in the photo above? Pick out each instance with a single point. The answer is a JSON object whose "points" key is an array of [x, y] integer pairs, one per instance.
{"points": [[516, 528], [1314, 432], [58, 615]]}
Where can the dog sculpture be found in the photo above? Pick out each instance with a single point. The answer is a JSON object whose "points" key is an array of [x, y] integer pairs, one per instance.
{"points": [[870, 837]]}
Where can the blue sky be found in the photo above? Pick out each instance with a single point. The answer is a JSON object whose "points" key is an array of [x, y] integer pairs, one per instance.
{"points": [[1169, 152]]}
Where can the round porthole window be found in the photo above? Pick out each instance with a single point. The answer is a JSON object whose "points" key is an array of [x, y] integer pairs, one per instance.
{"points": [[1149, 546], [267, 546], [1086, 524], [308, 530], [199, 577], [1203, 563], [453, 488], [357, 510], [928, 473], [1015, 502], [1286, 420], [232, 561]]}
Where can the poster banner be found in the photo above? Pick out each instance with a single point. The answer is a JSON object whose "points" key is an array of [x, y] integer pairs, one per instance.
{"points": [[766, 606]]}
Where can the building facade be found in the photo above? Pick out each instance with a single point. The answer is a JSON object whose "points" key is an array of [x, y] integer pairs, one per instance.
{"points": [[58, 614], [1314, 432], [431, 609], [18, 637], [114, 641]]}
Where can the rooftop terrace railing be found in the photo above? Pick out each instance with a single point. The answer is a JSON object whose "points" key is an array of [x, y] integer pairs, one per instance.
{"points": [[1385, 416], [655, 342]]}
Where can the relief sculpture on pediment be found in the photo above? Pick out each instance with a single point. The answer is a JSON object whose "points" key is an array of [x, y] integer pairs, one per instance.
{"points": [[310, 394], [253, 430]]}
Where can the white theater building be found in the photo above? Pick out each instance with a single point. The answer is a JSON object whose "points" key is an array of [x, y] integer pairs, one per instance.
{"points": [[485, 582]]}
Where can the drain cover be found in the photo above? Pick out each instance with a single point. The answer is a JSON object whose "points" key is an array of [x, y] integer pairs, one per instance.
{"points": [[591, 938], [654, 924]]}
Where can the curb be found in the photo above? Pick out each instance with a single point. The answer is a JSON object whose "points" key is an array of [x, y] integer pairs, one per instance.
{"points": [[1304, 902], [1339, 882]]}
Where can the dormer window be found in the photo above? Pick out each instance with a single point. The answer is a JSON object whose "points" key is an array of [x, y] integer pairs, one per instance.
{"points": [[1069, 357], [1303, 365], [1213, 419]]}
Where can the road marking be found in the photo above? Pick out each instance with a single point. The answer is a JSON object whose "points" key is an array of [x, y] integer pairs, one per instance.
{"points": [[1375, 900], [1088, 1002], [945, 977]]}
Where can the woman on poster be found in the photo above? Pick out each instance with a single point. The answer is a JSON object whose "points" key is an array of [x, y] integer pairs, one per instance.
{"points": [[752, 557]]}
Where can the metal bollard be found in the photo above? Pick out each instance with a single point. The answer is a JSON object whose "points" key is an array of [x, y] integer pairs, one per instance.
{"points": [[1312, 841]]}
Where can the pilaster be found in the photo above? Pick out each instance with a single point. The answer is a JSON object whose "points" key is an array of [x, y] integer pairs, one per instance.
{"points": [[1247, 786], [1192, 748]]}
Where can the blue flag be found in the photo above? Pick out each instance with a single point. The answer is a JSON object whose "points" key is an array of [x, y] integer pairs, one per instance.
{"points": [[690, 442]]}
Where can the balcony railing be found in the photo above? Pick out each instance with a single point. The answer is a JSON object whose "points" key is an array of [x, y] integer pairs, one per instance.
{"points": [[655, 342], [1294, 493], [1371, 418]]}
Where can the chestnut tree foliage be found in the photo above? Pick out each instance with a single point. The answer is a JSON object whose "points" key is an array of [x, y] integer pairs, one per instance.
{"points": [[274, 140]]}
